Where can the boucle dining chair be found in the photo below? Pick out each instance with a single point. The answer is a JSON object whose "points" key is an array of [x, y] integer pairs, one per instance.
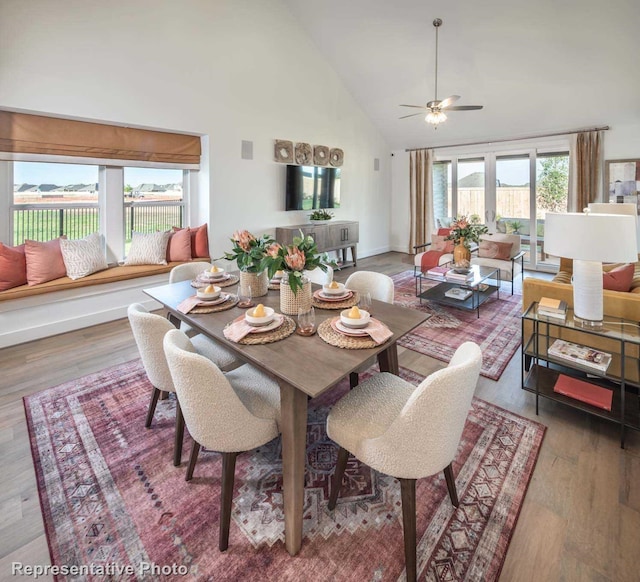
{"points": [[186, 272], [380, 287], [319, 276], [406, 432], [229, 413], [149, 330]]}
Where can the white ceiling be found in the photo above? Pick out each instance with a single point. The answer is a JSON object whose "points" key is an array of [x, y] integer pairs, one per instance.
{"points": [[536, 65]]}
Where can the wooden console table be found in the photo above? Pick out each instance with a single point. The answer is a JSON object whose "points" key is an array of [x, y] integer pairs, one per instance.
{"points": [[335, 235]]}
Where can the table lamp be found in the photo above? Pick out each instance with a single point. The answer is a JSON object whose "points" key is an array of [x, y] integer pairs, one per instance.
{"points": [[590, 239], [617, 208]]}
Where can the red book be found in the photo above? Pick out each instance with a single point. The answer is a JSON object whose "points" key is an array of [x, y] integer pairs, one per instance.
{"points": [[584, 391]]}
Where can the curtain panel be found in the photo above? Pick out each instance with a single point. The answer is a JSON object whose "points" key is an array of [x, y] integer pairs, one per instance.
{"points": [[421, 197], [38, 134], [586, 167]]}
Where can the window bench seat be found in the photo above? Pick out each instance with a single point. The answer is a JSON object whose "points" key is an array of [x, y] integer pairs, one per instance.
{"points": [[37, 311]]}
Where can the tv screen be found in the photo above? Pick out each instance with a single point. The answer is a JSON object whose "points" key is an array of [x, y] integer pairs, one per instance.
{"points": [[311, 187]]}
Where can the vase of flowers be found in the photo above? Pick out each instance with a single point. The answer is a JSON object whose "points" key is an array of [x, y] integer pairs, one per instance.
{"points": [[465, 231], [295, 288], [248, 252]]}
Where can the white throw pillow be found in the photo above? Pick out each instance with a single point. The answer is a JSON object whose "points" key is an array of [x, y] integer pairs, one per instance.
{"points": [[83, 256], [148, 249]]}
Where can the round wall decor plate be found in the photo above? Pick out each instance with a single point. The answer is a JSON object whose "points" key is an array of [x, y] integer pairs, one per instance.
{"points": [[320, 155], [303, 154], [336, 157], [283, 151]]}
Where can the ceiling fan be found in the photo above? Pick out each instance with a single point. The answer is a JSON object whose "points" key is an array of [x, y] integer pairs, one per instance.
{"points": [[434, 109]]}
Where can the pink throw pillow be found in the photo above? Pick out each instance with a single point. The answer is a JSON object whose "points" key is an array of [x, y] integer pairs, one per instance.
{"points": [[44, 261], [199, 241], [619, 279], [179, 247], [444, 231], [495, 250], [13, 267], [438, 243]]}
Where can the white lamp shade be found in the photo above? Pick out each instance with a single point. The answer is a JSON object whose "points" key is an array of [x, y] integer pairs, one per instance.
{"points": [[607, 238], [615, 208]]}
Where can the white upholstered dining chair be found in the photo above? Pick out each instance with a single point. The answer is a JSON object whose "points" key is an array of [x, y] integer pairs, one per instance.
{"points": [[149, 330], [186, 272], [229, 413], [380, 287], [406, 432], [319, 276]]}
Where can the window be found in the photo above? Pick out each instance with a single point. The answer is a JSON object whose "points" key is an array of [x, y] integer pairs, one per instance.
{"points": [[54, 199], [471, 189], [51, 200], [442, 202]]}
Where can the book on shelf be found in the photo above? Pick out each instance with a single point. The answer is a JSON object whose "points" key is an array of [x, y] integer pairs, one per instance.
{"points": [[547, 305], [458, 293], [584, 391], [438, 271], [552, 315], [581, 355]]}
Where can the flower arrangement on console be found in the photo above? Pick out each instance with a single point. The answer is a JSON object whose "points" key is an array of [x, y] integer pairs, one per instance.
{"points": [[248, 251], [321, 214], [466, 231], [294, 259]]}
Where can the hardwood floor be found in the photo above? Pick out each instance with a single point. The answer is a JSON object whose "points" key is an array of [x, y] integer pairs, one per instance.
{"points": [[580, 519]]}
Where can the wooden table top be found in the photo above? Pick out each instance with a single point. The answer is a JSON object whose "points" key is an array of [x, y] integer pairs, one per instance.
{"points": [[307, 363]]}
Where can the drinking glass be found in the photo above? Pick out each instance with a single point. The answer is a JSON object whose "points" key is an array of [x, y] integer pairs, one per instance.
{"points": [[364, 302], [245, 296], [306, 320]]}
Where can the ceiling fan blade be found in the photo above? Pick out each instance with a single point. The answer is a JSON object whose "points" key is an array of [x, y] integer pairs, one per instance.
{"points": [[448, 101], [412, 115], [420, 106], [464, 108]]}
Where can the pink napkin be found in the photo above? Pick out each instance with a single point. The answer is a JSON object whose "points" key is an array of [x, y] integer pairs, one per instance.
{"points": [[378, 331], [188, 304], [240, 328]]}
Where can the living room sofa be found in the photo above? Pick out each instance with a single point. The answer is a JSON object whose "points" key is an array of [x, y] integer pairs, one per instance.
{"points": [[616, 304]]}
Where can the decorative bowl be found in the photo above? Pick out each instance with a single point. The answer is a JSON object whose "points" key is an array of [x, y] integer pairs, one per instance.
{"points": [[339, 290], [462, 270], [278, 275], [258, 321], [217, 275], [362, 321], [202, 294]]}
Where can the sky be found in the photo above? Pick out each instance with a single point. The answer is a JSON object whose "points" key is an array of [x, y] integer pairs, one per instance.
{"points": [[64, 174]]}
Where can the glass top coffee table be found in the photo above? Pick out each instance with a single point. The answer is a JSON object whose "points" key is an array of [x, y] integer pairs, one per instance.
{"points": [[467, 294]]}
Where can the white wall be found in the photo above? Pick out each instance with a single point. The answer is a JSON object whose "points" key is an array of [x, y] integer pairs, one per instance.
{"points": [[231, 70]]}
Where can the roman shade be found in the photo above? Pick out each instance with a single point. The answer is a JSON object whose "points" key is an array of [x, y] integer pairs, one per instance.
{"points": [[23, 133]]}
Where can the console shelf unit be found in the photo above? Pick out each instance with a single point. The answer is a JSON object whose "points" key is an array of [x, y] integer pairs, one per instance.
{"points": [[540, 370]]}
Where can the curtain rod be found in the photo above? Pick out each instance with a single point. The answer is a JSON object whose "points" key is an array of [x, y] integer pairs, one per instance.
{"points": [[555, 134]]}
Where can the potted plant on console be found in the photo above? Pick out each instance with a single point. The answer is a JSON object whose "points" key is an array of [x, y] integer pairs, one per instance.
{"points": [[248, 252], [320, 216], [295, 288], [465, 231]]}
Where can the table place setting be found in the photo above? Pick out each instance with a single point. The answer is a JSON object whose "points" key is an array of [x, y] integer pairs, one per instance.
{"points": [[354, 329], [274, 282], [215, 275], [261, 325], [334, 295], [208, 300]]}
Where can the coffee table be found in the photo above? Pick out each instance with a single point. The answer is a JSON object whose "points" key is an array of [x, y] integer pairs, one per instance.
{"points": [[479, 286]]}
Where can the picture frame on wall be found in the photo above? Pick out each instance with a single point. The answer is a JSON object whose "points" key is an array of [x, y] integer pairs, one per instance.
{"points": [[622, 181]]}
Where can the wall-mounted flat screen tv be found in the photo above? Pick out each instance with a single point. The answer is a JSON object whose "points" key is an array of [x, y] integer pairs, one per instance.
{"points": [[311, 187]]}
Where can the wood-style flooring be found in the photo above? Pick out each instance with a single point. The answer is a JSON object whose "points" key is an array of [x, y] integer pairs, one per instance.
{"points": [[581, 515]]}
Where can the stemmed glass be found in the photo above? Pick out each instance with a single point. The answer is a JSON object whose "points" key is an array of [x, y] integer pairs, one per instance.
{"points": [[245, 296], [364, 301], [306, 321]]}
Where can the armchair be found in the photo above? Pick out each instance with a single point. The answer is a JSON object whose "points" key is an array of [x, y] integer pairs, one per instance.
{"points": [[491, 253]]}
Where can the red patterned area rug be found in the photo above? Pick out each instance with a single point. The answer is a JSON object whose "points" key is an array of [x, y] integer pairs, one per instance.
{"points": [[497, 331], [111, 496]]}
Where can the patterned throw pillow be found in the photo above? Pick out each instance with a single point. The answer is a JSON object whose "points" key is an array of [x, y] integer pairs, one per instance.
{"points": [[84, 256], [495, 250], [148, 249], [438, 243]]}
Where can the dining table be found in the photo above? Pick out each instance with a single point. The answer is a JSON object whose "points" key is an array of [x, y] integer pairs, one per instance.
{"points": [[303, 367]]}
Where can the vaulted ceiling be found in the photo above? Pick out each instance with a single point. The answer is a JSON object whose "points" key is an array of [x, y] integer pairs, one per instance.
{"points": [[536, 65]]}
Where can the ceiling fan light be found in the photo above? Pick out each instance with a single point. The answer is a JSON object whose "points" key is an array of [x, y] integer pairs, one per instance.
{"points": [[435, 117]]}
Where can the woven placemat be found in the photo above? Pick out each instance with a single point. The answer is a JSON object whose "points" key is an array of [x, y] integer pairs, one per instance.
{"points": [[353, 300], [199, 284], [335, 338], [228, 304], [268, 337]]}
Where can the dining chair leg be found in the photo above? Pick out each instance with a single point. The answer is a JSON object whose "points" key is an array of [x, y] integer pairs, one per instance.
{"points": [[408, 492], [163, 395], [451, 484], [228, 473], [354, 379], [195, 449], [152, 407], [177, 450], [336, 483]]}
